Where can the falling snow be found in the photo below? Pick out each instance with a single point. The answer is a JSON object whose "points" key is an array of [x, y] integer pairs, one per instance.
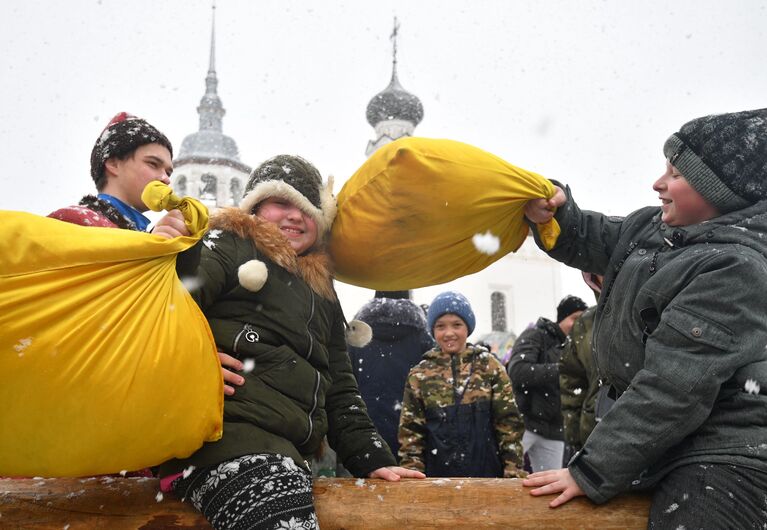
{"points": [[248, 365], [159, 496], [751, 386], [486, 243]]}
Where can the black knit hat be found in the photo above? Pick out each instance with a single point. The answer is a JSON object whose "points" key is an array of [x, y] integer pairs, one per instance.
{"points": [[294, 179], [569, 305], [123, 134], [724, 157]]}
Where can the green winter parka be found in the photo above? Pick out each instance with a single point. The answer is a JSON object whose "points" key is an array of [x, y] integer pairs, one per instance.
{"points": [[291, 329]]}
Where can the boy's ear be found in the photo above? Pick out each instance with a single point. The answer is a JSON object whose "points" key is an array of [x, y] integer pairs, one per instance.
{"points": [[110, 166]]}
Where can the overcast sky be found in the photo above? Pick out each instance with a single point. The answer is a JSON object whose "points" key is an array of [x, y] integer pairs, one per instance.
{"points": [[585, 92]]}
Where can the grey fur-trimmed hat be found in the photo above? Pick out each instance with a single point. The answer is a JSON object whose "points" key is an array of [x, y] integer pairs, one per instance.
{"points": [[723, 157], [295, 179]]}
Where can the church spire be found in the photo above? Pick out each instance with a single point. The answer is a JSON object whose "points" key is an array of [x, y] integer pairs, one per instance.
{"points": [[211, 110], [394, 81]]}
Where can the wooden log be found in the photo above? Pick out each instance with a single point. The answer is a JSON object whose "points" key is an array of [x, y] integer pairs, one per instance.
{"points": [[132, 503]]}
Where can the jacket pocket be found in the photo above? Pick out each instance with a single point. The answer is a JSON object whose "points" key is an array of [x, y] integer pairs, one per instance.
{"points": [[684, 346]]}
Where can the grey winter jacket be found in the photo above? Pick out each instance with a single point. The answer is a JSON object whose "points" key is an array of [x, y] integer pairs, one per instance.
{"points": [[534, 374], [680, 332]]}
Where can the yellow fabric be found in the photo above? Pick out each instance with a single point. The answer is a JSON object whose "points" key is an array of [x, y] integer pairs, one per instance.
{"points": [[407, 217], [106, 363], [158, 196]]}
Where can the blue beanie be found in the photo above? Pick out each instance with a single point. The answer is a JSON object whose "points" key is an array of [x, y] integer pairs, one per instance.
{"points": [[451, 302]]}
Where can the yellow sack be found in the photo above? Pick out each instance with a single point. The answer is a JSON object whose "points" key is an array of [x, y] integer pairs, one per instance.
{"points": [[409, 216], [106, 363]]}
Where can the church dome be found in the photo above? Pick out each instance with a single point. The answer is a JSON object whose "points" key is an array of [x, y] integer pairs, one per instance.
{"points": [[394, 103], [208, 144]]}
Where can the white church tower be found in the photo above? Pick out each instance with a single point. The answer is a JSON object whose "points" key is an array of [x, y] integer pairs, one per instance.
{"points": [[208, 165]]}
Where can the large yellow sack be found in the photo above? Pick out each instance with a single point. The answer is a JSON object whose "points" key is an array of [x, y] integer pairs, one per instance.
{"points": [[106, 363], [409, 216]]}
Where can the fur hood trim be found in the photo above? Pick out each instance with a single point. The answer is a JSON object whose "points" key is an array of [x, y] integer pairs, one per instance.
{"points": [[323, 216], [314, 268]]}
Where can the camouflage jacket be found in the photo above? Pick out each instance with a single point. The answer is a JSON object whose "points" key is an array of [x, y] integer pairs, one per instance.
{"points": [[431, 388], [579, 382]]}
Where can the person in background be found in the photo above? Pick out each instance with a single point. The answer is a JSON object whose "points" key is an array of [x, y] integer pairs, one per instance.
{"points": [[458, 416], [680, 332], [534, 373], [400, 338], [578, 377], [266, 287]]}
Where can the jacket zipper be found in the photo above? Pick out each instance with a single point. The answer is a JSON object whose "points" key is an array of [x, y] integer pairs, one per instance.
{"points": [[250, 335], [314, 406]]}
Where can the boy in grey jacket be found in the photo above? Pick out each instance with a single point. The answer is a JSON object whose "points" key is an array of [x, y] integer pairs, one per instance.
{"points": [[680, 332]]}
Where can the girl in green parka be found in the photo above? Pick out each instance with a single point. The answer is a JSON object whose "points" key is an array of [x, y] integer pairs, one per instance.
{"points": [[265, 285]]}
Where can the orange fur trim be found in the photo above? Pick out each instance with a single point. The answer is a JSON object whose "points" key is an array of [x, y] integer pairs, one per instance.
{"points": [[314, 268]]}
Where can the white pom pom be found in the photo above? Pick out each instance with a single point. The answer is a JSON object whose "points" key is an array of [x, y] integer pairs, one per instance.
{"points": [[358, 334], [253, 275]]}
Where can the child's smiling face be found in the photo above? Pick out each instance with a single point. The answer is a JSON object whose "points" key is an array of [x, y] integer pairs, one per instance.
{"points": [[681, 204]]}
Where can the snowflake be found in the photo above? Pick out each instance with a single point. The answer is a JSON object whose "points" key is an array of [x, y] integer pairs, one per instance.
{"points": [[577, 391], [248, 365], [360, 482], [158, 497], [486, 243], [22, 345], [434, 451], [751, 386]]}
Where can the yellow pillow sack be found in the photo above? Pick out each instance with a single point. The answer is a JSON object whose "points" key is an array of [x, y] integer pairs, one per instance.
{"points": [[106, 362], [409, 216]]}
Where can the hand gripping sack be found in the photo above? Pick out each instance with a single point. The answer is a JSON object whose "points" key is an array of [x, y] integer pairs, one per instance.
{"points": [[106, 363], [409, 216]]}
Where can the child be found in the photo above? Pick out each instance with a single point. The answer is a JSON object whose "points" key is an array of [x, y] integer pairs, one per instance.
{"points": [[458, 416], [265, 285], [680, 332]]}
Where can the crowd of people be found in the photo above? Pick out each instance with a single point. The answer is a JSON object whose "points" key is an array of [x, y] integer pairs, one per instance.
{"points": [[654, 387]]}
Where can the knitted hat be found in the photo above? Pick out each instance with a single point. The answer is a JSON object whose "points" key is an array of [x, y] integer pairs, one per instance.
{"points": [[569, 305], [296, 180], [724, 157], [454, 303], [123, 134]]}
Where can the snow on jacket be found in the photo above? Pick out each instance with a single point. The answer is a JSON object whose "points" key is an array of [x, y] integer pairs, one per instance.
{"points": [[534, 373], [301, 385], [680, 332], [449, 397], [579, 382], [400, 339]]}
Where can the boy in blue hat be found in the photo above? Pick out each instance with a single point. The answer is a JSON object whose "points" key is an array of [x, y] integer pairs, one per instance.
{"points": [[459, 418]]}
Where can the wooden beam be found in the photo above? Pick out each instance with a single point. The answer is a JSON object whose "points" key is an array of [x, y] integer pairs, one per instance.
{"points": [[132, 503]]}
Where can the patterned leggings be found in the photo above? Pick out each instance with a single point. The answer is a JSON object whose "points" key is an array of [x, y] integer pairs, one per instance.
{"points": [[252, 491]]}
